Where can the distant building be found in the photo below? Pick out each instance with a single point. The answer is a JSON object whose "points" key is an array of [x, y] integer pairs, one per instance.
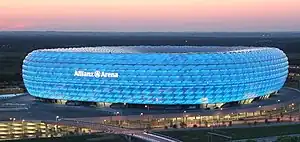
{"points": [[156, 75]]}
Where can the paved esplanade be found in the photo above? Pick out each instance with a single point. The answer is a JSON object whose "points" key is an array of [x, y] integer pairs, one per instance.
{"points": [[44, 111]]}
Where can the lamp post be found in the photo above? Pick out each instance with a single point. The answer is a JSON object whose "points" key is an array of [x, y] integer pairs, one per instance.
{"points": [[117, 114], [56, 118], [23, 127], [12, 119], [183, 115], [11, 126], [282, 107], [141, 119], [148, 108], [200, 120]]}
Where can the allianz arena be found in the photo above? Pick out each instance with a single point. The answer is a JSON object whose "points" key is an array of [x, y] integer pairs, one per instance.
{"points": [[155, 75]]}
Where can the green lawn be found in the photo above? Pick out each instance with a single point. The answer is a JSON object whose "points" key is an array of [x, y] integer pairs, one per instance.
{"points": [[236, 133]]}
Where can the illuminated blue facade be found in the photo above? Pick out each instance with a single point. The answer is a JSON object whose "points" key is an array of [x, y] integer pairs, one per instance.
{"points": [[155, 75]]}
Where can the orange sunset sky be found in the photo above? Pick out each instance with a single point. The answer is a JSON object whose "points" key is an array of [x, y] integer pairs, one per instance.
{"points": [[150, 15]]}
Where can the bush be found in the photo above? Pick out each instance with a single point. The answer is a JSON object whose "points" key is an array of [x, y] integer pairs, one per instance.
{"points": [[195, 126]]}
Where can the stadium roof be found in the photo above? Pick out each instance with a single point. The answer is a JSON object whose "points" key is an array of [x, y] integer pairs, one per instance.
{"points": [[158, 49]]}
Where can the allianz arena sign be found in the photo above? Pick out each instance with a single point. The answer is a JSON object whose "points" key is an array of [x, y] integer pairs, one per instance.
{"points": [[96, 74]]}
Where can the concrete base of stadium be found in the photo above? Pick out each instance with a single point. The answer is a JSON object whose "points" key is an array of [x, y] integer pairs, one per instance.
{"points": [[158, 107], [270, 101], [286, 98], [285, 103]]}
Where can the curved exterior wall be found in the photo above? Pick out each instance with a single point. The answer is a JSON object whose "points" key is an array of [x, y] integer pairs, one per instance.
{"points": [[155, 78]]}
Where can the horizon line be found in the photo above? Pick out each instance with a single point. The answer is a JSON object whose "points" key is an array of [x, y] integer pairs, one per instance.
{"points": [[62, 31]]}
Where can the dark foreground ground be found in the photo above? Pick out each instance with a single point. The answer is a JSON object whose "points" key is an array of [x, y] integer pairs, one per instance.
{"points": [[197, 135], [188, 135], [85, 138]]}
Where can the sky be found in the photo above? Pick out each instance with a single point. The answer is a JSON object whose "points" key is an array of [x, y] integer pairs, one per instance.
{"points": [[150, 15]]}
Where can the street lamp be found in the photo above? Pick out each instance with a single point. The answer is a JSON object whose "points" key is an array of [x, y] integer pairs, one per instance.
{"points": [[148, 107], [12, 119], [141, 119], [23, 127], [184, 112], [117, 113], [56, 118], [11, 127]]}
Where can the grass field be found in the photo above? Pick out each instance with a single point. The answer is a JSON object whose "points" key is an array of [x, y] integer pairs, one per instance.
{"points": [[197, 135]]}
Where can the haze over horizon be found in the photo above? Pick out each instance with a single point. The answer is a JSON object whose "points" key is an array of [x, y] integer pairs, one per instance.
{"points": [[150, 16]]}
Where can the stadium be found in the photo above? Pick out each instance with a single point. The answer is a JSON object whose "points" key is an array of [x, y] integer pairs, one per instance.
{"points": [[159, 76]]}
